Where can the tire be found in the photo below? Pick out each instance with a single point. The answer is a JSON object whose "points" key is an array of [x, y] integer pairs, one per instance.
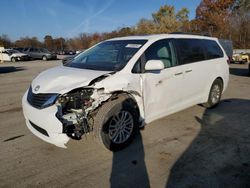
{"points": [[116, 136], [13, 60], [214, 94], [45, 58]]}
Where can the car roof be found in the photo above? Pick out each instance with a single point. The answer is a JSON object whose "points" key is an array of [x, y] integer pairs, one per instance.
{"points": [[162, 36]]}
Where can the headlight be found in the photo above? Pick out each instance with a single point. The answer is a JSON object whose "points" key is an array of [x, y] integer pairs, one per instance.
{"points": [[76, 96], [50, 101]]}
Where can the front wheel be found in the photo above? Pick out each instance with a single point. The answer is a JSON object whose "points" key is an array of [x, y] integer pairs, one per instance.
{"points": [[45, 58], [13, 60], [214, 94], [115, 123]]}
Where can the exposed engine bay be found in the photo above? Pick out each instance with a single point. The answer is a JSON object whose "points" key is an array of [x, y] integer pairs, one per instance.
{"points": [[76, 110]]}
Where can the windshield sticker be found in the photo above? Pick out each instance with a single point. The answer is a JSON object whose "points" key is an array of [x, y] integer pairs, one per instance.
{"points": [[133, 46]]}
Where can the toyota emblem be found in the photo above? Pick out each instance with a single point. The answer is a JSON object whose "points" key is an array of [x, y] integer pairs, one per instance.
{"points": [[37, 88]]}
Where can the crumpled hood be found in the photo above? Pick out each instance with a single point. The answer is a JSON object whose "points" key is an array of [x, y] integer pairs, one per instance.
{"points": [[62, 79]]}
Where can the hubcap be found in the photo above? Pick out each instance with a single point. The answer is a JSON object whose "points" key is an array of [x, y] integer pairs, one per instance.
{"points": [[121, 127], [215, 94]]}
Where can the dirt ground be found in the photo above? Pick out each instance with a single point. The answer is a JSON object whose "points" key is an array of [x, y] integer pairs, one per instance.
{"points": [[193, 148]]}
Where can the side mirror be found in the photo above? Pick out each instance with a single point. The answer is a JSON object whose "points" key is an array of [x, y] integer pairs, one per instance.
{"points": [[154, 65]]}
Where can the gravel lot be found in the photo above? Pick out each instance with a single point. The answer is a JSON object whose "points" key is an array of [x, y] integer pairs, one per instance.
{"points": [[193, 148]]}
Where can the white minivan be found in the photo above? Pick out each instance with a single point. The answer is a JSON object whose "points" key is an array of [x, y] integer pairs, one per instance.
{"points": [[123, 83]]}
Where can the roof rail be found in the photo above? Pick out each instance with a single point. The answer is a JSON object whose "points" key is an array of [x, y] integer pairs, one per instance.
{"points": [[187, 33]]}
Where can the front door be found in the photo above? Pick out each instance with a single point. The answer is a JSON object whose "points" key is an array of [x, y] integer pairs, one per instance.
{"points": [[162, 90], [34, 53]]}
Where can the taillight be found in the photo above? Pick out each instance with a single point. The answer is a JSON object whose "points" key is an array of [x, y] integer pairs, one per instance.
{"points": [[229, 60]]}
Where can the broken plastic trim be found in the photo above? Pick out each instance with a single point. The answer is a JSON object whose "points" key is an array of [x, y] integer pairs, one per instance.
{"points": [[75, 108], [100, 78]]}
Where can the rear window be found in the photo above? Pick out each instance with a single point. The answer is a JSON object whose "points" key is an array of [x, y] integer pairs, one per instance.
{"points": [[213, 50], [189, 50]]}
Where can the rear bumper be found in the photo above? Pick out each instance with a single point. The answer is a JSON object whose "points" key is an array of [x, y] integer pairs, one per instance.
{"points": [[225, 78], [44, 124]]}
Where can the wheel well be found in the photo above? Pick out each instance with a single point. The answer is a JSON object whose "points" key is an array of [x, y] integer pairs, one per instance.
{"points": [[130, 98], [219, 78]]}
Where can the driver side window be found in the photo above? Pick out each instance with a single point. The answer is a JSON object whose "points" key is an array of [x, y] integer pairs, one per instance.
{"points": [[161, 50]]}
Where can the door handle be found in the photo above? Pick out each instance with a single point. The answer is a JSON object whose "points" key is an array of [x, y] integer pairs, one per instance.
{"points": [[188, 70], [178, 73]]}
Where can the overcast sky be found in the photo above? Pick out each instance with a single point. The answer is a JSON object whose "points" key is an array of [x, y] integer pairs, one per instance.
{"points": [[68, 18]]}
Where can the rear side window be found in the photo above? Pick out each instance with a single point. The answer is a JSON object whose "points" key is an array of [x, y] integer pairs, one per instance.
{"points": [[189, 50], [213, 50]]}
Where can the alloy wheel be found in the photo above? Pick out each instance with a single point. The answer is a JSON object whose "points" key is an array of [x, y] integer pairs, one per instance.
{"points": [[121, 127]]}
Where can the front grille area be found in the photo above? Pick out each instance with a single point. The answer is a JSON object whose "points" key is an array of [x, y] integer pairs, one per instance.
{"points": [[41, 100], [39, 129]]}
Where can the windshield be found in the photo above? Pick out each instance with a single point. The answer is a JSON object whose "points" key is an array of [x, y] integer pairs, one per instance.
{"points": [[44, 50], [107, 56]]}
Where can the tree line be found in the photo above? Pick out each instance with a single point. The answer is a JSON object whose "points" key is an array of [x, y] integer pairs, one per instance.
{"points": [[226, 19]]}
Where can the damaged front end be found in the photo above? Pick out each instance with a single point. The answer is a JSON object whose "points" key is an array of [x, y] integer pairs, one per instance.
{"points": [[76, 110]]}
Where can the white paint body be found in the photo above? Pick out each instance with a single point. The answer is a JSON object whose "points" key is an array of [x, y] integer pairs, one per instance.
{"points": [[6, 57], [157, 95]]}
